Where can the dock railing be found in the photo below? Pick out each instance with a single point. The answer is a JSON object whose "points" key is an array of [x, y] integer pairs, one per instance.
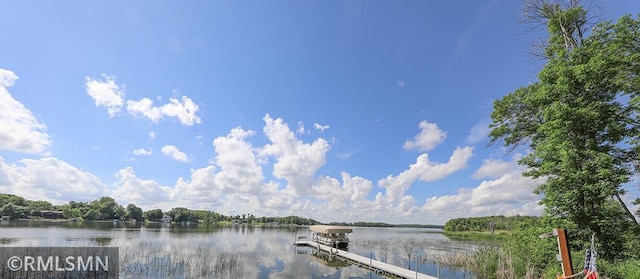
{"points": [[380, 268]]}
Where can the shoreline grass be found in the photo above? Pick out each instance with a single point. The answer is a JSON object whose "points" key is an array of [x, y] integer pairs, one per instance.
{"points": [[150, 260], [475, 235]]}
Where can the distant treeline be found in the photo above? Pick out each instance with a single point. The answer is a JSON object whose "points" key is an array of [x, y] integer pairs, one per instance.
{"points": [[384, 225], [106, 208], [489, 223]]}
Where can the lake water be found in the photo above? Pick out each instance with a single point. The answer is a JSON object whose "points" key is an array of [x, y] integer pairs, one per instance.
{"points": [[157, 250]]}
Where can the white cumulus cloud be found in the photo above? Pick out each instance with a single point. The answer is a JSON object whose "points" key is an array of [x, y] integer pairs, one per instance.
{"points": [[184, 110], [493, 168], [144, 108], [425, 170], [175, 153], [20, 130], [147, 194], [296, 161], [142, 152], [106, 93], [508, 193], [428, 138], [234, 183], [49, 179], [237, 160]]}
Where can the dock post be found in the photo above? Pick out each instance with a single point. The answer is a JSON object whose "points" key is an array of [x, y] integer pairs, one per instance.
{"points": [[565, 254]]}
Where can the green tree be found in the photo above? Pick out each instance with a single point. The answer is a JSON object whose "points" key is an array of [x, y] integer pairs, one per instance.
{"points": [[181, 214], [119, 212], [134, 212], [36, 206], [580, 121], [9, 209], [15, 200], [92, 214], [155, 215], [108, 208], [72, 212]]}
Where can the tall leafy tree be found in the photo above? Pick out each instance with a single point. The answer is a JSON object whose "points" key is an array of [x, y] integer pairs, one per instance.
{"points": [[134, 212], [580, 120], [108, 208], [155, 215]]}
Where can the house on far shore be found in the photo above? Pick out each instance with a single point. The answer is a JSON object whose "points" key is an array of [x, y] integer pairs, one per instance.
{"points": [[49, 214], [6, 218], [167, 219]]}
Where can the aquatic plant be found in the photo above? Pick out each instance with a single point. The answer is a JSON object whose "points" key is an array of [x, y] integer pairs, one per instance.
{"points": [[154, 260]]}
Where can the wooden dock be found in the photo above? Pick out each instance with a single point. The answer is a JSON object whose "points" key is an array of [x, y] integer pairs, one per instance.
{"points": [[380, 268]]}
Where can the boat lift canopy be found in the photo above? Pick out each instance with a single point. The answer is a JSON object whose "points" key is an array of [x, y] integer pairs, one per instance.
{"points": [[330, 229]]}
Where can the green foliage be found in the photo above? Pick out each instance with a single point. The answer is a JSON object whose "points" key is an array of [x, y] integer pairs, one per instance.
{"points": [[385, 225], [15, 200], [72, 212], [134, 212], [492, 262], [19, 207], [580, 121], [76, 209], [529, 252], [627, 269], [296, 220], [209, 217], [36, 206], [181, 214], [154, 215], [488, 223], [11, 210], [92, 214], [108, 208], [478, 236]]}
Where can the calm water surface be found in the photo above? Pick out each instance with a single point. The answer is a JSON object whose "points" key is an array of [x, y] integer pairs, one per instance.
{"points": [[157, 250]]}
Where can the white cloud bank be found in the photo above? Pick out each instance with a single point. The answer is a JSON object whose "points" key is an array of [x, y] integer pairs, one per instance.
{"points": [[234, 182], [493, 168], [508, 193], [106, 93], [49, 179], [20, 131]]}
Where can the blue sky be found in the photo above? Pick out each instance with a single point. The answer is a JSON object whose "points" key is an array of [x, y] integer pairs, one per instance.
{"points": [[332, 110]]}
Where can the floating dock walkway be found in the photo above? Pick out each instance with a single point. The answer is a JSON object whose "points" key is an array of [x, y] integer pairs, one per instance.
{"points": [[380, 268]]}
